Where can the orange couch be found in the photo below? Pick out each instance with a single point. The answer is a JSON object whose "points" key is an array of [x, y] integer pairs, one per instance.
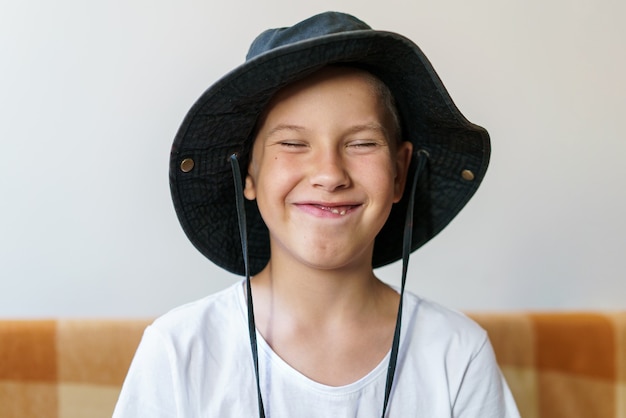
{"points": [[566, 365]]}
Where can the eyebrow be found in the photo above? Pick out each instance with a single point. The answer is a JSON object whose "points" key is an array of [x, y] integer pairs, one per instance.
{"points": [[285, 127], [373, 126], [353, 129]]}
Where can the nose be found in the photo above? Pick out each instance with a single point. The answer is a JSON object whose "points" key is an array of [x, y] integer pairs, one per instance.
{"points": [[329, 170]]}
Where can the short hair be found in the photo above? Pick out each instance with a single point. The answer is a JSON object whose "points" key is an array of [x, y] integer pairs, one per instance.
{"points": [[388, 101]]}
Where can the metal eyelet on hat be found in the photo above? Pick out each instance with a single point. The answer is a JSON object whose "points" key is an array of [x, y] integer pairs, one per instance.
{"points": [[187, 165], [468, 175]]}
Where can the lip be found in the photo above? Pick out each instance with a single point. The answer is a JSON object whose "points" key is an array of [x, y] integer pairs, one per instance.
{"points": [[328, 209]]}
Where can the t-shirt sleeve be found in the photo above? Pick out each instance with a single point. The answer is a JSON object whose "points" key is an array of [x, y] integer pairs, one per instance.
{"points": [[149, 389], [483, 391]]}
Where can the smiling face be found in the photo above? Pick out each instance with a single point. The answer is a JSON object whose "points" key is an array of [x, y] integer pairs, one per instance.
{"points": [[326, 169]]}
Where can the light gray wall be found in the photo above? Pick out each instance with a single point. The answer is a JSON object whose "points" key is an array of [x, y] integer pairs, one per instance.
{"points": [[92, 93]]}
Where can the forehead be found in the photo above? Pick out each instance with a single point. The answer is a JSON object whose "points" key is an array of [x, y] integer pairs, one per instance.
{"points": [[334, 83]]}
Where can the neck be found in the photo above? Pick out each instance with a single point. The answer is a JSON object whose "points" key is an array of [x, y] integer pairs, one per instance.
{"points": [[302, 312], [319, 298]]}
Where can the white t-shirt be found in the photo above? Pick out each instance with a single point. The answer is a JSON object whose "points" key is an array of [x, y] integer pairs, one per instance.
{"points": [[196, 361]]}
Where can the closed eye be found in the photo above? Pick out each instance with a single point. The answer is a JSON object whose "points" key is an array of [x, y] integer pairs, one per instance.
{"points": [[363, 144], [292, 144]]}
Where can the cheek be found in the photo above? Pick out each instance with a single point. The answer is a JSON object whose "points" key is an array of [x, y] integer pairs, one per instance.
{"points": [[271, 182], [381, 169]]}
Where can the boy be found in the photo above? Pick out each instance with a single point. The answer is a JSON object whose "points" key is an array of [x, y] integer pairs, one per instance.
{"points": [[331, 122]]}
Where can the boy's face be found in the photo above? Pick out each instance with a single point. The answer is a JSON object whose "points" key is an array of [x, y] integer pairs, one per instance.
{"points": [[326, 169]]}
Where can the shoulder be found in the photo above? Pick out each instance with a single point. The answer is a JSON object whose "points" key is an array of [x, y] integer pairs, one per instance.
{"points": [[207, 335], [439, 326], [203, 316]]}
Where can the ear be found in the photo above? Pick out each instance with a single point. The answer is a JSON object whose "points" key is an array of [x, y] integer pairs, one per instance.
{"points": [[249, 190], [404, 152]]}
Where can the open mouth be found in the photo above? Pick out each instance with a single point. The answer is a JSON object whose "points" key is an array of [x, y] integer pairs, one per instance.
{"points": [[328, 210], [337, 210]]}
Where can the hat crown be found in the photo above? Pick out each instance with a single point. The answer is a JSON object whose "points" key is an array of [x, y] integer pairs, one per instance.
{"points": [[314, 27]]}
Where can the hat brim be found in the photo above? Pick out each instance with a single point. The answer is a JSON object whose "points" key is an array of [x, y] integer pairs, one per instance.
{"points": [[222, 120]]}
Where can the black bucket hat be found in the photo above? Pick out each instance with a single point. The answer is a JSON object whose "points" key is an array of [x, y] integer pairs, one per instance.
{"points": [[222, 121]]}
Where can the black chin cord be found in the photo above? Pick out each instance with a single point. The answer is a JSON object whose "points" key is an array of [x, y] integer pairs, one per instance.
{"points": [[406, 250], [241, 217], [422, 156]]}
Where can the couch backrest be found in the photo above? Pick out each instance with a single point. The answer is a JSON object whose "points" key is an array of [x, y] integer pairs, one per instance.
{"points": [[562, 365], [64, 368], [565, 365]]}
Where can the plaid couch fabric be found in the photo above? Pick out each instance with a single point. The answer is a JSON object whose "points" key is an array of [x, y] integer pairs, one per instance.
{"points": [[64, 368], [562, 365], [557, 364]]}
